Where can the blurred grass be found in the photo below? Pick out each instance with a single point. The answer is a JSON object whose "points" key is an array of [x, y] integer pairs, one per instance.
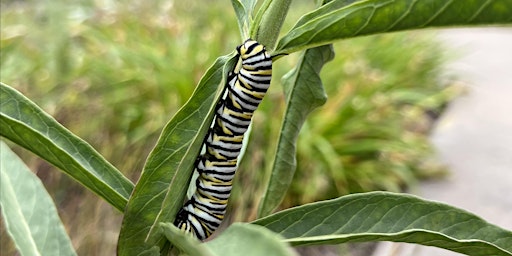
{"points": [[115, 73], [372, 134]]}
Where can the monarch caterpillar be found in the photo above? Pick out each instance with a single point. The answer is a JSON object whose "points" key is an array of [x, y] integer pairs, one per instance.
{"points": [[204, 211]]}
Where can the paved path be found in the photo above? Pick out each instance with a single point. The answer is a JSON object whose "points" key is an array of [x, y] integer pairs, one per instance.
{"points": [[474, 136]]}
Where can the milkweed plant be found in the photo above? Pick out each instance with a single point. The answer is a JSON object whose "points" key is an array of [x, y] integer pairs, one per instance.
{"points": [[151, 205]]}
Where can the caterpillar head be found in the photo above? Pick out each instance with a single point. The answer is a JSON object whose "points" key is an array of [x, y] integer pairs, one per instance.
{"points": [[254, 55], [250, 48]]}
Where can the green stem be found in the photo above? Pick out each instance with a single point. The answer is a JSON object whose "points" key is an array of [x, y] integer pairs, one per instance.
{"points": [[269, 21]]}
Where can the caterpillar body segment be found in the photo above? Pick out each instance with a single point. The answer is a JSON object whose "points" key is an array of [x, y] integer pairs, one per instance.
{"points": [[204, 211]]}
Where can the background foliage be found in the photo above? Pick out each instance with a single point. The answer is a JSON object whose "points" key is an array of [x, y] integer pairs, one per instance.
{"points": [[127, 68]]}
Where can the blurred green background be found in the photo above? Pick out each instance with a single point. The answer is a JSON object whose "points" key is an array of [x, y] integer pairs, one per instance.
{"points": [[115, 73]]}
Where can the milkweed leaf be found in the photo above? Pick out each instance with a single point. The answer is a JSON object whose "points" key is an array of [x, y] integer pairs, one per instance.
{"points": [[248, 240], [184, 241], [30, 216], [304, 92], [335, 21], [27, 125], [243, 11], [385, 216], [161, 189], [239, 237], [336, 4]]}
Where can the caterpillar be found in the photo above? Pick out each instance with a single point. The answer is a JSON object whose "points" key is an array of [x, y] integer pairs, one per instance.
{"points": [[203, 213]]}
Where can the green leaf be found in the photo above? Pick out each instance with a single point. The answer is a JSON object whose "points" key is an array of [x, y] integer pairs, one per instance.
{"points": [[161, 189], [304, 92], [27, 125], [251, 239], [30, 216], [334, 4], [239, 237], [248, 240], [243, 11], [384, 216], [184, 241], [336, 21]]}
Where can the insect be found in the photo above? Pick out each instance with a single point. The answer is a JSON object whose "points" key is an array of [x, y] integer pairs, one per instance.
{"points": [[204, 211]]}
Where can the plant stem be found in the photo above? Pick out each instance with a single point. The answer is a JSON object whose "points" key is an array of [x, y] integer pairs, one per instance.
{"points": [[271, 22]]}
